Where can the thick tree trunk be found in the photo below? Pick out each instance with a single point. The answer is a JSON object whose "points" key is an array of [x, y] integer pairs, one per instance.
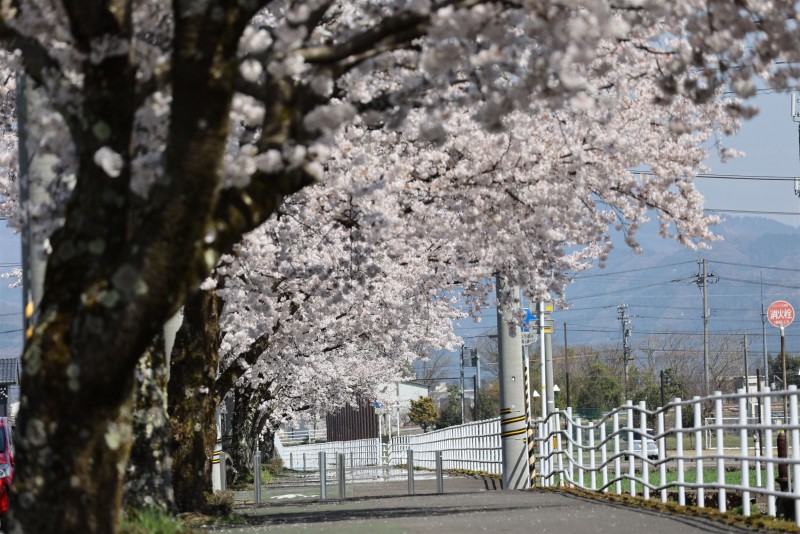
{"points": [[148, 479], [193, 399], [241, 447]]}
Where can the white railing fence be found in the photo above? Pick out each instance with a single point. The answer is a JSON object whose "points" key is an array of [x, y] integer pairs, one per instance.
{"points": [[603, 455], [708, 451], [298, 437], [358, 453], [472, 446]]}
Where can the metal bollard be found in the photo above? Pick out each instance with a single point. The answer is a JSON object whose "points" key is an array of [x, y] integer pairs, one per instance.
{"points": [[304, 465], [291, 461], [323, 477], [410, 466], [257, 477], [342, 489], [222, 463], [439, 473]]}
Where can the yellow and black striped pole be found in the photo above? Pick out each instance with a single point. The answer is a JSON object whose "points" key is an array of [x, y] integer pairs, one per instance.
{"points": [[529, 419], [513, 416]]}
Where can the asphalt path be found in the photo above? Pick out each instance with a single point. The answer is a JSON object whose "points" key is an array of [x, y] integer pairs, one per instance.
{"points": [[468, 505]]}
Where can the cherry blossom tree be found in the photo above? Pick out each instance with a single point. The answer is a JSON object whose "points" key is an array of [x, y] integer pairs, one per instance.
{"points": [[174, 129]]}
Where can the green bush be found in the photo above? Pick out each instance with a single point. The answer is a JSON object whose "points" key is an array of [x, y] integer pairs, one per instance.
{"points": [[152, 521], [220, 502], [274, 466]]}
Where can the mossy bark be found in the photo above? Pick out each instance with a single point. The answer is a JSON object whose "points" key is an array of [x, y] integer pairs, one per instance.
{"points": [[193, 399], [148, 478]]}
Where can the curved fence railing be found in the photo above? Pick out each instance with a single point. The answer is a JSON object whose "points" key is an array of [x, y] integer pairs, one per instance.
{"points": [[612, 454], [725, 451]]}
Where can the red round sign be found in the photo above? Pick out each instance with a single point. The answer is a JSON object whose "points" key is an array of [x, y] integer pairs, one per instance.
{"points": [[780, 314]]}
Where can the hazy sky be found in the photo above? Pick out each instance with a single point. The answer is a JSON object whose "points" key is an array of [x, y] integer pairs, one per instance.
{"points": [[771, 145]]}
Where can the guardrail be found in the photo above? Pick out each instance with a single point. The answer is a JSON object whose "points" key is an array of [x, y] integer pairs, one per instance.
{"points": [[297, 437], [590, 455], [358, 453]]}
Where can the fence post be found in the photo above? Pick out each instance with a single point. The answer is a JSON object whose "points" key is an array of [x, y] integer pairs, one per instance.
{"points": [[570, 457], [341, 466], [410, 470], [770, 466], [579, 446], [698, 450], [631, 458], [679, 451], [645, 440], [257, 477], [795, 452], [604, 456], [722, 505], [592, 463], [439, 473], [662, 467], [560, 449], [323, 476], [743, 448], [617, 459]]}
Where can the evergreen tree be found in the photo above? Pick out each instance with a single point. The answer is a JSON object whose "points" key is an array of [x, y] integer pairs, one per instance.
{"points": [[451, 412], [423, 413]]}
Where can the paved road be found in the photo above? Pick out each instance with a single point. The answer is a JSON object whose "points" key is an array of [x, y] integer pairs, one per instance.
{"points": [[467, 506]]}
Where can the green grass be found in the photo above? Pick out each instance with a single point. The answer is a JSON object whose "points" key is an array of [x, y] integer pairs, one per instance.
{"points": [[152, 521]]}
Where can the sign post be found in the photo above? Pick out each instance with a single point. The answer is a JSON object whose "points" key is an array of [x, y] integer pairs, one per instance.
{"points": [[780, 315]]}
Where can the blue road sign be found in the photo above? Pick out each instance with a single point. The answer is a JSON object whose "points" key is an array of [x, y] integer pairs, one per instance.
{"points": [[529, 317]]}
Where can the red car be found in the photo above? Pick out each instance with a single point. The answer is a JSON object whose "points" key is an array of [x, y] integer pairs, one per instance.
{"points": [[6, 468]]}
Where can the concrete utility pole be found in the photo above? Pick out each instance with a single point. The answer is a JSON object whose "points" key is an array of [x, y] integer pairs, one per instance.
{"points": [[462, 384], [513, 424], [702, 281], [548, 368], [625, 321]]}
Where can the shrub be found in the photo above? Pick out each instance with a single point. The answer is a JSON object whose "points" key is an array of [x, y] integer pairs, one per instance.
{"points": [[220, 502], [152, 521]]}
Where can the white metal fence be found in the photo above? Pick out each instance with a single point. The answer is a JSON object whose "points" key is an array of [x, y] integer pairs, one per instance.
{"points": [[358, 453], [709, 452], [291, 436], [592, 456], [471, 446]]}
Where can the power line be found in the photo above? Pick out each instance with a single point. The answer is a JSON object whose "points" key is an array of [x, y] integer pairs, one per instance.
{"points": [[756, 266], [756, 212], [633, 270]]}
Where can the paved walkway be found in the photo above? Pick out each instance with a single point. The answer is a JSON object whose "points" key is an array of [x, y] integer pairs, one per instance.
{"points": [[468, 505]]}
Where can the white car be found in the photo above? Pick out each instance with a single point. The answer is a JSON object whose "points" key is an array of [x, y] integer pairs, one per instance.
{"points": [[652, 447]]}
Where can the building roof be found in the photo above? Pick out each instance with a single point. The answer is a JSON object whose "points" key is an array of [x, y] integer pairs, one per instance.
{"points": [[8, 370]]}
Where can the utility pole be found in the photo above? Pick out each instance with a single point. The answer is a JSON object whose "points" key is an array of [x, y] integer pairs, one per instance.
{"points": [[702, 280], [764, 331], [513, 419], [566, 364], [476, 362], [462, 384], [746, 377], [626, 350]]}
